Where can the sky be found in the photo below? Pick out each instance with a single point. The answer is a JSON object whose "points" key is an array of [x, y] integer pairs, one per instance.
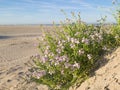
{"points": [[47, 11]]}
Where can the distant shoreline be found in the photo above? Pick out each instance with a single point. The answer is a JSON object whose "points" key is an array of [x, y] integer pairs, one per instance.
{"points": [[48, 24]]}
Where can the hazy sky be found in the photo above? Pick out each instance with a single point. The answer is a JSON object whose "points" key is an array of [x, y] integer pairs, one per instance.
{"points": [[47, 11]]}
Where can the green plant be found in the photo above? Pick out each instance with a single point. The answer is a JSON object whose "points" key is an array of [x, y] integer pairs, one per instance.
{"points": [[68, 56]]}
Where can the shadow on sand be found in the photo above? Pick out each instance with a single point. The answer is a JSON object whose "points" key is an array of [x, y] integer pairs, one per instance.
{"points": [[4, 37], [101, 62]]}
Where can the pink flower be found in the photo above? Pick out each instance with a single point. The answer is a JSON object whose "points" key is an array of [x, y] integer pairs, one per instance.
{"points": [[44, 59], [60, 59], [39, 74]]}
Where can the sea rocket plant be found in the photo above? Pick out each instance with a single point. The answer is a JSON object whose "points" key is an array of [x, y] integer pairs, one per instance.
{"points": [[68, 56]]}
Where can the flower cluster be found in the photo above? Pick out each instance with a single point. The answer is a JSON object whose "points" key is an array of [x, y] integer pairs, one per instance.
{"points": [[85, 41], [39, 74], [96, 37]]}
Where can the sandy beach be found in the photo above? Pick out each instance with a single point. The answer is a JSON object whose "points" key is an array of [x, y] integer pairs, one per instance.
{"points": [[16, 48]]}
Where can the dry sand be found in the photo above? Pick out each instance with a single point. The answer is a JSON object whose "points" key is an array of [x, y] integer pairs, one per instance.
{"points": [[107, 77], [16, 48]]}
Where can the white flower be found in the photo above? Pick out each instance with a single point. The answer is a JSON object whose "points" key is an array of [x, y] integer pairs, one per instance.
{"points": [[62, 47], [51, 72], [72, 45], [58, 50], [47, 47], [76, 41], [96, 34], [89, 56], [56, 63], [76, 65], [85, 40], [104, 48], [59, 44], [72, 40], [92, 37], [81, 52]]}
